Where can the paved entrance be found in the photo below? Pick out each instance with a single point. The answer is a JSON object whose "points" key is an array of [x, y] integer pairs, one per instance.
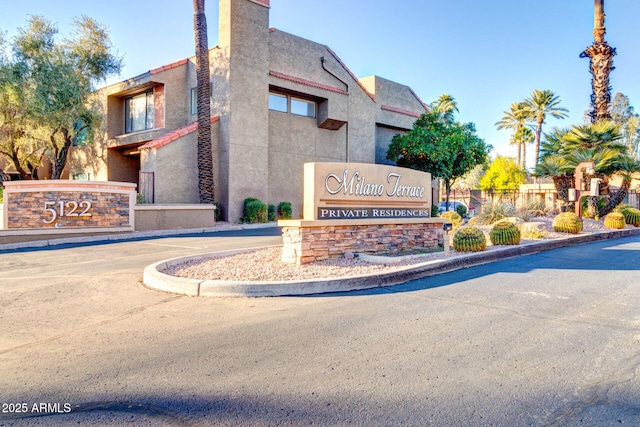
{"points": [[546, 339]]}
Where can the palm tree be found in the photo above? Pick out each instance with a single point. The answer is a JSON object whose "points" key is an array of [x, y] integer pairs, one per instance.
{"points": [[444, 106], [560, 170], [626, 166], [515, 119], [538, 105], [600, 56], [205, 150], [602, 134]]}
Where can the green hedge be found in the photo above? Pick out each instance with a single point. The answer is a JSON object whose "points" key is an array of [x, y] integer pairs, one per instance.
{"points": [[255, 211]]}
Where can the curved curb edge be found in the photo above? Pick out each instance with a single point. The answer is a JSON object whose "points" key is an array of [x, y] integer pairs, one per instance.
{"points": [[155, 279]]}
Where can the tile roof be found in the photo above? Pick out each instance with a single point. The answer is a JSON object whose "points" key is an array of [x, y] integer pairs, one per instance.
{"points": [[173, 135], [307, 82], [169, 66], [400, 110]]}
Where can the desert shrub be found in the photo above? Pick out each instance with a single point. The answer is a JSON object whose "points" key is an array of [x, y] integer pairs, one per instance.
{"points": [[469, 239], [461, 210], [504, 233], [218, 214], [567, 222], [255, 211], [453, 217], [631, 216], [532, 230], [614, 220], [533, 209], [271, 212], [434, 211], [284, 209], [494, 212], [473, 221]]}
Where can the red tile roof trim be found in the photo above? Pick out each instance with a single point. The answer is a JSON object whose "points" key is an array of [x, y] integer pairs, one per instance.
{"points": [[264, 3], [169, 66], [307, 82], [176, 134], [373, 98], [400, 111], [426, 107]]}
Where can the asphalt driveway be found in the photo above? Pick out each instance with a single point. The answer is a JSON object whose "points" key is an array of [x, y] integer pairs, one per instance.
{"points": [[545, 339]]}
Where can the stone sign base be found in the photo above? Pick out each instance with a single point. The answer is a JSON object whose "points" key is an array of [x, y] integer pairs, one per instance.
{"points": [[309, 241]]}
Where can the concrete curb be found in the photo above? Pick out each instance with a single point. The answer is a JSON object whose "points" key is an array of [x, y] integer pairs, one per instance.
{"points": [[130, 236], [155, 279]]}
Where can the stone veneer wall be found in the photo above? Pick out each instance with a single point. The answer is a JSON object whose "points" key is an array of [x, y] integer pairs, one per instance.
{"points": [[305, 244], [107, 210], [59, 205]]}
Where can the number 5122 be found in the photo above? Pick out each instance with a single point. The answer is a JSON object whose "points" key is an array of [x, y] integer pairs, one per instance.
{"points": [[66, 209]]}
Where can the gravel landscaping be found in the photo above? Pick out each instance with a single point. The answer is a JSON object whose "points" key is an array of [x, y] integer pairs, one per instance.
{"points": [[265, 264]]}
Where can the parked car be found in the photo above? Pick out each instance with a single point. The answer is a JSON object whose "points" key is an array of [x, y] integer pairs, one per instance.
{"points": [[442, 206]]}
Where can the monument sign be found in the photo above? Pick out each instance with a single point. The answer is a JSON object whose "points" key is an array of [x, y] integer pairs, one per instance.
{"points": [[334, 191]]}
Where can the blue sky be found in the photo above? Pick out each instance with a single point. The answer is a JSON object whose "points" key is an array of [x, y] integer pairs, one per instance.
{"points": [[487, 54]]}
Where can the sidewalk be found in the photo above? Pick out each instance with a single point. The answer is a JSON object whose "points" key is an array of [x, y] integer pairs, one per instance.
{"points": [[13, 241]]}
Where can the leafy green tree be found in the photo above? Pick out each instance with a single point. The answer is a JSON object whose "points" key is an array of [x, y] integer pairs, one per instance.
{"points": [[503, 174], [538, 106], [447, 150], [52, 81]]}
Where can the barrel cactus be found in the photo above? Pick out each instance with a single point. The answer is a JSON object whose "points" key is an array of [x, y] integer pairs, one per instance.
{"points": [[504, 233], [614, 220], [631, 216], [567, 222], [453, 217], [469, 239]]}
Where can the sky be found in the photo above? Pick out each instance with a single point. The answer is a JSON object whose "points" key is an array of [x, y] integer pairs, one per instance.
{"points": [[486, 54]]}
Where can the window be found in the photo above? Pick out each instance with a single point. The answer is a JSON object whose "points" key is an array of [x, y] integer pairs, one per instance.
{"points": [[139, 112], [278, 102], [194, 100], [293, 105], [302, 107]]}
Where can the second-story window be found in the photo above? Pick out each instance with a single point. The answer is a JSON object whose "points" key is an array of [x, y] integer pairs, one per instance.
{"points": [[139, 112], [291, 104]]}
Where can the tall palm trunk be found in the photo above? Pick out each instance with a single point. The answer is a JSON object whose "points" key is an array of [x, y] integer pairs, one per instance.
{"points": [[600, 56], [205, 151], [617, 198]]}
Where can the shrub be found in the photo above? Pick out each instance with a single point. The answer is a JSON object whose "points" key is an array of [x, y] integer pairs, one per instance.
{"points": [[473, 221], [469, 239], [284, 209], [631, 216], [434, 211], [494, 212], [255, 211], [453, 217], [218, 214], [532, 210], [461, 210], [504, 233], [1, 194], [614, 220], [271, 212], [567, 222], [531, 230]]}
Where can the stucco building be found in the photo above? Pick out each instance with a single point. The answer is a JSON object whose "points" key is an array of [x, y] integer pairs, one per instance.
{"points": [[277, 100]]}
